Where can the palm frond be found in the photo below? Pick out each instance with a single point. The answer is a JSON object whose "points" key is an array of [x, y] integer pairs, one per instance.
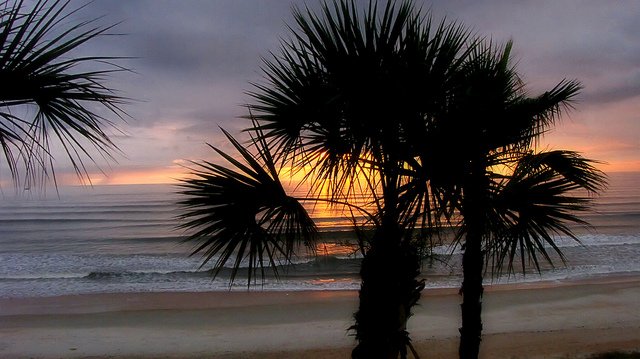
{"points": [[241, 215], [532, 116], [35, 61], [568, 164], [489, 109], [539, 201], [327, 97], [351, 88]]}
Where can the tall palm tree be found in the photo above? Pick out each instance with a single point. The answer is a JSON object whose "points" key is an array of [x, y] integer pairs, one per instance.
{"points": [[38, 70], [512, 201], [349, 98]]}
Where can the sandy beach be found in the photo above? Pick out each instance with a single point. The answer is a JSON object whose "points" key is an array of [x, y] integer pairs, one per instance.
{"points": [[532, 320]]}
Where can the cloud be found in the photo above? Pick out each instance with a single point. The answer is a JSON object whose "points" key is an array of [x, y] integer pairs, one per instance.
{"points": [[195, 60], [623, 89]]}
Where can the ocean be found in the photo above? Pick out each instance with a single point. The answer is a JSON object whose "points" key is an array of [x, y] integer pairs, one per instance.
{"points": [[113, 239]]}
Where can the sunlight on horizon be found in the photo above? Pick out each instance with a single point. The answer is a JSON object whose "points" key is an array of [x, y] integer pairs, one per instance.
{"points": [[170, 175], [292, 179]]}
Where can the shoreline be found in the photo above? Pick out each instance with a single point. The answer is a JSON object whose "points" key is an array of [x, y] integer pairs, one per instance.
{"points": [[549, 319], [118, 301]]}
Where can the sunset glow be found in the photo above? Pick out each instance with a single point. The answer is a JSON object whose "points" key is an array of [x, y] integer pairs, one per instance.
{"points": [[319, 179], [167, 175], [192, 77]]}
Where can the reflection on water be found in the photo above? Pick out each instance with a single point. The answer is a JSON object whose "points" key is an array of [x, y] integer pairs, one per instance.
{"points": [[336, 249]]}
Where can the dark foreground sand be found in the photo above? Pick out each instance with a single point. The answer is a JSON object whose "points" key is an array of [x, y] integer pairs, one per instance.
{"points": [[539, 320]]}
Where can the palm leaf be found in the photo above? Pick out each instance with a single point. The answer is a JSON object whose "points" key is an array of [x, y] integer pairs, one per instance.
{"points": [[322, 100], [36, 59], [490, 111], [242, 213], [539, 201]]}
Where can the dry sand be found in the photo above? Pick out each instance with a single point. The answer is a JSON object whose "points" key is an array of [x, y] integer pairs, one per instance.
{"points": [[536, 320]]}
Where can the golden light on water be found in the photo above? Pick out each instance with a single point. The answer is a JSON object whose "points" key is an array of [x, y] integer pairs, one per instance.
{"points": [[326, 280], [334, 249]]}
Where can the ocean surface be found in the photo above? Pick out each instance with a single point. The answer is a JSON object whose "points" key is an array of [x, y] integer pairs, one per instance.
{"points": [[110, 239]]}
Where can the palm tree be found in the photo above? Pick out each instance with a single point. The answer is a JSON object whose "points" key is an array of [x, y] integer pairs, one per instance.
{"points": [[350, 98], [37, 69], [510, 199]]}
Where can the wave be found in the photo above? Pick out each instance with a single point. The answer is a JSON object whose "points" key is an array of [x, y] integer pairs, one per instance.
{"points": [[300, 277], [22, 277], [319, 266], [143, 274], [66, 220], [107, 275]]}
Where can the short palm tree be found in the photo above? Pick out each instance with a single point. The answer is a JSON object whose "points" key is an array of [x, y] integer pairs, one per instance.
{"points": [[511, 200], [38, 70]]}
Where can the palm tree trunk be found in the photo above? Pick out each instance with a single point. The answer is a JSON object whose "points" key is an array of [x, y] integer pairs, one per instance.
{"points": [[474, 205], [388, 291], [472, 289], [389, 287]]}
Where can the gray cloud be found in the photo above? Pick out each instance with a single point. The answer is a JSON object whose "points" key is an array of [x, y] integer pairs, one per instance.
{"points": [[622, 91], [195, 59]]}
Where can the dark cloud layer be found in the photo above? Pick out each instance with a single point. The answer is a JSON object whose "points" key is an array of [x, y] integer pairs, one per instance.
{"points": [[195, 59]]}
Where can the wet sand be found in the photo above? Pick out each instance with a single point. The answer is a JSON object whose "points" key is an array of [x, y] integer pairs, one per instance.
{"points": [[560, 319]]}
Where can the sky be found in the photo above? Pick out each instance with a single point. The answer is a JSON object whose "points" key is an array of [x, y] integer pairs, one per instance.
{"points": [[195, 60]]}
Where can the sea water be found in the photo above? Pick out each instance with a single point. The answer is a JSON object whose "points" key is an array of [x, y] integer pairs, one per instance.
{"points": [[109, 239]]}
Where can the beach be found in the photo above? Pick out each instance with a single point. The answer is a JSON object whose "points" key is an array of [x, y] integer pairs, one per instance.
{"points": [[100, 274], [546, 319]]}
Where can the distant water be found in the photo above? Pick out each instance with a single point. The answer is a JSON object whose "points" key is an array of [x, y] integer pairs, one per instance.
{"points": [[122, 239]]}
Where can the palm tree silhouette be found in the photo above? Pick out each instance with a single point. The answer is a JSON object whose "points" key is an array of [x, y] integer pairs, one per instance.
{"points": [[37, 69], [414, 116], [511, 200], [342, 99]]}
